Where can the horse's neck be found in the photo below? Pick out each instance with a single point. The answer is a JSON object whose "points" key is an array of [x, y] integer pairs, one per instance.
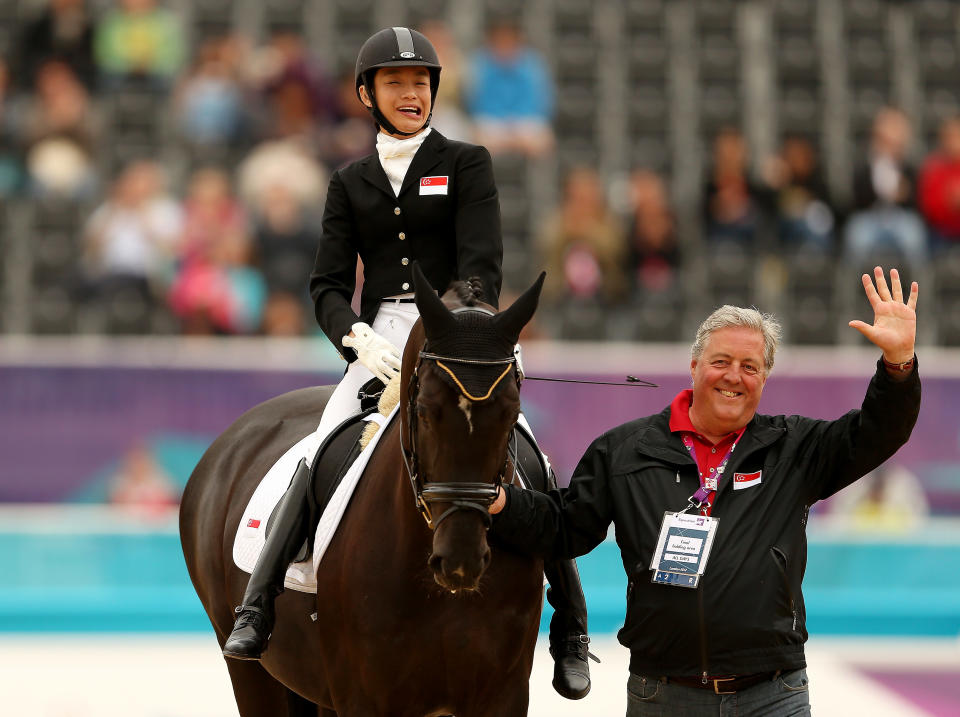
{"points": [[393, 490]]}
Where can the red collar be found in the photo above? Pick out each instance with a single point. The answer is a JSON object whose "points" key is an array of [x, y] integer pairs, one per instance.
{"points": [[680, 418]]}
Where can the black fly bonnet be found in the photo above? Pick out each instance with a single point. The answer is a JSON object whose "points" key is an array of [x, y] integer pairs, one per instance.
{"points": [[473, 348]]}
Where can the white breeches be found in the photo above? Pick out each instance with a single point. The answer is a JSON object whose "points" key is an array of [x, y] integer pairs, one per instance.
{"points": [[394, 321]]}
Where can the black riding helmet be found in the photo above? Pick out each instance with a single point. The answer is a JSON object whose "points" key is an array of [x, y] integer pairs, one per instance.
{"points": [[396, 47]]}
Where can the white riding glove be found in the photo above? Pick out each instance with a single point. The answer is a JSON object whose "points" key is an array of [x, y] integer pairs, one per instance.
{"points": [[374, 351]]}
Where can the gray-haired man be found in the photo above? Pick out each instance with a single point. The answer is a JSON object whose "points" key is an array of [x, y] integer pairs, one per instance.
{"points": [[710, 501]]}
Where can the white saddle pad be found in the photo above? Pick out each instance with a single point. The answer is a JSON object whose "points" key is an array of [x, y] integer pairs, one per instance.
{"points": [[251, 533]]}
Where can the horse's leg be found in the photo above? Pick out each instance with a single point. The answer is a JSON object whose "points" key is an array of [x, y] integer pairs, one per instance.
{"points": [[259, 694]]}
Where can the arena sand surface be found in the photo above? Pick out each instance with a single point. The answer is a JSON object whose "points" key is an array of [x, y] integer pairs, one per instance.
{"points": [[184, 676]]}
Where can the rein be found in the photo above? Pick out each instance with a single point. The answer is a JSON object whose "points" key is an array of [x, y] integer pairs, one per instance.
{"points": [[460, 496]]}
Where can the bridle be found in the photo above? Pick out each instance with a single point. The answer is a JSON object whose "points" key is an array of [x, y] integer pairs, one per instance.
{"points": [[461, 496]]}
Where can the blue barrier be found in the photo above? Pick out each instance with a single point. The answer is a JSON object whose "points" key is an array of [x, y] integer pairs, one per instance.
{"points": [[136, 582]]}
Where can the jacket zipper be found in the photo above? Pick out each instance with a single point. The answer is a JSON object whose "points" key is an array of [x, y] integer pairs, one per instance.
{"points": [[774, 552], [703, 635]]}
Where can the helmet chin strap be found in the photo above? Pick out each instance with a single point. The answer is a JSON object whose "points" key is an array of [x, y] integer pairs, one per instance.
{"points": [[379, 118]]}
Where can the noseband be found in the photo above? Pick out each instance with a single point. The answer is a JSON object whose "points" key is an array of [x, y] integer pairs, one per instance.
{"points": [[460, 496]]}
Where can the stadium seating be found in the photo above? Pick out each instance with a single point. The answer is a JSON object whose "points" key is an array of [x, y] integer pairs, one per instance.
{"points": [[640, 83]]}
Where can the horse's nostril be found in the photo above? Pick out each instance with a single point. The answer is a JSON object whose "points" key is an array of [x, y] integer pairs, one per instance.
{"points": [[485, 559], [436, 563]]}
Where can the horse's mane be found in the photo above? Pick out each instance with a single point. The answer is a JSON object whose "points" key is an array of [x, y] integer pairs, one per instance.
{"points": [[469, 292]]}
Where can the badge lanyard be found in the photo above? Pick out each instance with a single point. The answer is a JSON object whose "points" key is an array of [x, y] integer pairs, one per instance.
{"points": [[683, 546], [708, 483]]}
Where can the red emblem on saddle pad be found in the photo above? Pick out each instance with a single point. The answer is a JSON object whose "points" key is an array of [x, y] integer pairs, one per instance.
{"points": [[253, 523]]}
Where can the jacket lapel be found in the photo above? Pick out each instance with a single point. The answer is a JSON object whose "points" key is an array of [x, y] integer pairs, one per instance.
{"points": [[372, 171], [759, 434], [658, 442], [426, 158]]}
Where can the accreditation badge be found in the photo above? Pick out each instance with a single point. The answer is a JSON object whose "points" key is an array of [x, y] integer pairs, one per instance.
{"points": [[682, 549]]}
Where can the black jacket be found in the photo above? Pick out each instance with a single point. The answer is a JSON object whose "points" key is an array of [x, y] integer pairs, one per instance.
{"points": [[747, 615], [453, 236]]}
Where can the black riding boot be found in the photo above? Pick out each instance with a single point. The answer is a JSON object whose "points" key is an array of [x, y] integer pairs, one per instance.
{"points": [[568, 629], [287, 533]]}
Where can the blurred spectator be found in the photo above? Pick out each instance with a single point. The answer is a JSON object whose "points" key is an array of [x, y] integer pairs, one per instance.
{"points": [[141, 484], [283, 315], [286, 244], [654, 258], [283, 183], [215, 290], [11, 167], [299, 95], [939, 190], [582, 245], [734, 206], [210, 100], [284, 162], [890, 499], [351, 135], [510, 93], [62, 31], [805, 216], [129, 240], [449, 117], [884, 196], [137, 42], [62, 133]]}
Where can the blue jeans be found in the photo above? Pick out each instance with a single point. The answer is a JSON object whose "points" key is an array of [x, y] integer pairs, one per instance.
{"points": [[785, 696]]}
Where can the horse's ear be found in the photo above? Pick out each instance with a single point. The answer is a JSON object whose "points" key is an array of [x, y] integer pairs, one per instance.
{"points": [[437, 319], [511, 321]]}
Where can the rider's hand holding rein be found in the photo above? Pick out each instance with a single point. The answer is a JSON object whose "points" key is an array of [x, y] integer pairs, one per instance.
{"points": [[894, 328], [374, 351]]}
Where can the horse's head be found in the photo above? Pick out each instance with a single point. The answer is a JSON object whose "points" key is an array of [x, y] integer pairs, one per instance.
{"points": [[460, 399]]}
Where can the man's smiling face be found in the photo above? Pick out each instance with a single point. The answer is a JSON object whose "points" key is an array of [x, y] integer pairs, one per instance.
{"points": [[728, 379]]}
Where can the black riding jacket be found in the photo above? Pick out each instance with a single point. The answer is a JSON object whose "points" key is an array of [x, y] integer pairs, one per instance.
{"points": [[747, 615], [454, 234]]}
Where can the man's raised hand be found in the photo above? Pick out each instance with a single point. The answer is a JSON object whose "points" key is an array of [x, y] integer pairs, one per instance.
{"points": [[894, 327]]}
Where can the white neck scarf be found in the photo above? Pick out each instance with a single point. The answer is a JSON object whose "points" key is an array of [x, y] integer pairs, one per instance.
{"points": [[397, 154]]}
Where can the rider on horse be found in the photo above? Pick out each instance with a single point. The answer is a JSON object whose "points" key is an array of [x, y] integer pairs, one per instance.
{"points": [[421, 198]]}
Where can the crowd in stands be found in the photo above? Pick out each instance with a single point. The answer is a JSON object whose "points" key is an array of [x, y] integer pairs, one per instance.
{"points": [[227, 244]]}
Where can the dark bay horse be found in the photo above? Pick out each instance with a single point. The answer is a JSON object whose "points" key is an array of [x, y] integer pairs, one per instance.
{"points": [[415, 613]]}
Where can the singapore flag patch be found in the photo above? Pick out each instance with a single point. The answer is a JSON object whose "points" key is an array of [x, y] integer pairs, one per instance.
{"points": [[433, 185], [746, 480]]}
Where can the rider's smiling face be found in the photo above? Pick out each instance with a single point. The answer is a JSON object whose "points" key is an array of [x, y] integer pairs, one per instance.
{"points": [[403, 96]]}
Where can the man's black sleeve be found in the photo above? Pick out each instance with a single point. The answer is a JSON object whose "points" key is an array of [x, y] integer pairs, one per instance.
{"points": [[563, 523], [858, 442]]}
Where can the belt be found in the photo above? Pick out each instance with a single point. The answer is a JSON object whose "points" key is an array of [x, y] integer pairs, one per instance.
{"points": [[399, 301], [725, 685]]}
